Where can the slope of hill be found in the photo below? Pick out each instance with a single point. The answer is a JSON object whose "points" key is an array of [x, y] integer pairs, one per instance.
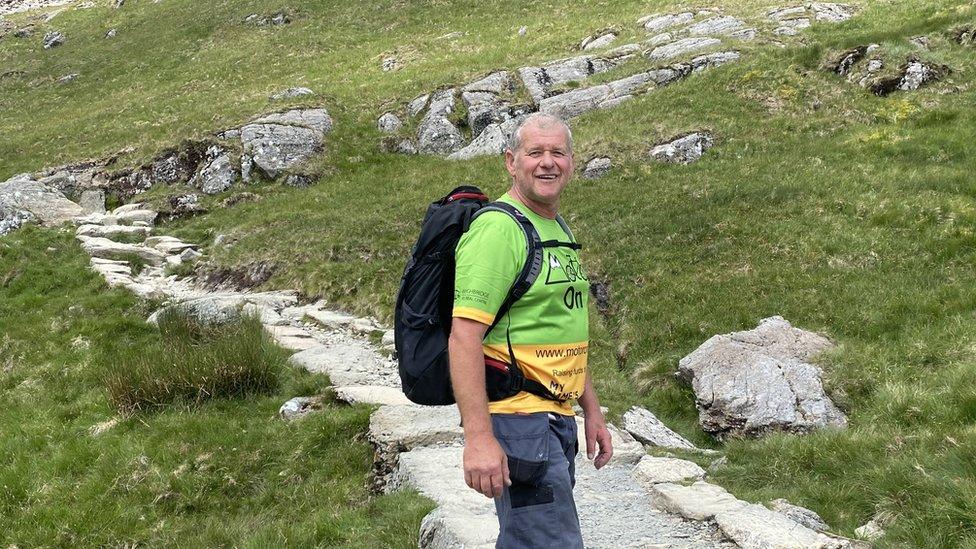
{"points": [[846, 212]]}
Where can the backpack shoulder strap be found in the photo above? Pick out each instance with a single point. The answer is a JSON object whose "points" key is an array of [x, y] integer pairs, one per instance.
{"points": [[533, 261], [566, 229]]}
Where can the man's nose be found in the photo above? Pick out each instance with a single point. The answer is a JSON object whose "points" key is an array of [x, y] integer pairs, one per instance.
{"points": [[547, 160]]}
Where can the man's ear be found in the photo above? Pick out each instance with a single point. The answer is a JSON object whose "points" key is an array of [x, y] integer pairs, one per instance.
{"points": [[510, 162]]}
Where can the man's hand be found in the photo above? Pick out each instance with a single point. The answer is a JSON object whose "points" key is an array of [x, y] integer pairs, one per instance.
{"points": [[597, 435], [485, 465]]}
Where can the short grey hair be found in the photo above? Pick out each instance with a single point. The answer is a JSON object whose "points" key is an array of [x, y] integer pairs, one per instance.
{"points": [[541, 120]]}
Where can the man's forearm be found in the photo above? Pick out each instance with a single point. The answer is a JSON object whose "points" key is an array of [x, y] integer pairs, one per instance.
{"points": [[588, 400]]}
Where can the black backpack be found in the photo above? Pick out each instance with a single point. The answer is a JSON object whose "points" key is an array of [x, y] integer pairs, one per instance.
{"points": [[423, 314]]}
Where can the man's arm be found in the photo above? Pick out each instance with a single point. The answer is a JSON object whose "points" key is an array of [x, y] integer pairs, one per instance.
{"points": [[594, 425], [485, 463]]}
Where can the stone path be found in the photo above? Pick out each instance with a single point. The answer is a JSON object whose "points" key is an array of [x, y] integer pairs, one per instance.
{"points": [[636, 501]]}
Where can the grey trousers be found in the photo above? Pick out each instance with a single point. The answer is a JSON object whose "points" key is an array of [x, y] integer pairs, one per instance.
{"points": [[538, 510]]}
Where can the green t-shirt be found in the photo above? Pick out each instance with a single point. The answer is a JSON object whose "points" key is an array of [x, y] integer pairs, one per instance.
{"points": [[549, 325]]}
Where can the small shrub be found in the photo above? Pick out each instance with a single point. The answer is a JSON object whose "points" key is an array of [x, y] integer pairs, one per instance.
{"points": [[194, 363]]}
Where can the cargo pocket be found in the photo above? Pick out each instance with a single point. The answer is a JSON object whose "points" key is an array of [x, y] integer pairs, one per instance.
{"points": [[525, 439]]}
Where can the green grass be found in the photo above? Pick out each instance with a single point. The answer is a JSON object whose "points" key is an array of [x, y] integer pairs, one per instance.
{"points": [[226, 472], [846, 213], [194, 363]]}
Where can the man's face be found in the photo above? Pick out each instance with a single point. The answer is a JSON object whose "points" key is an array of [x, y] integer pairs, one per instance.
{"points": [[543, 165]]}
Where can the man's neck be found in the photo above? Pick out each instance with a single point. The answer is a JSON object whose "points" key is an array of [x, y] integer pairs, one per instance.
{"points": [[545, 210]]}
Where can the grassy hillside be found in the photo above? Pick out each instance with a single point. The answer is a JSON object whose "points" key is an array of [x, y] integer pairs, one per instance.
{"points": [[224, 473], [844, 212]]}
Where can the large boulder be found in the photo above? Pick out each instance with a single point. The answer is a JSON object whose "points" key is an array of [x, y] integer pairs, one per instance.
{"points": [[759, 381], [278, 141], [23, 194]]}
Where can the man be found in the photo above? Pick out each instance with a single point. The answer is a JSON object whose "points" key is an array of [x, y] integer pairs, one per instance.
{"points": [[521, 450]]}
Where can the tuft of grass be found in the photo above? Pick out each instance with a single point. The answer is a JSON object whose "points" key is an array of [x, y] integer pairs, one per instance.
{"points": [[194, 363], [135, 261]]}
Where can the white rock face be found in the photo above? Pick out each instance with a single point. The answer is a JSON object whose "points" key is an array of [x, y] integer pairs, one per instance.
{"points": [[299, 407], [277, 141], [597, 167], [389, 123], [683, 47], [648, 429], [369, 394], [109, 249], [754, 382], [109, 231], [660, 22], [47, 205], [348, 362], [654, 470], [721, 25], [683, 150]]}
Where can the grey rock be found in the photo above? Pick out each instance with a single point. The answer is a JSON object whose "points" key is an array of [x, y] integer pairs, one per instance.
{"points": [[596, 168], [536, 82], [11, 220], [921, 42], [217, 173], [109, 249], [53, 39], [660, 22], [721, 25], [441, 529], [917, 73], [111, 33], [755, 527], [406, 147], [648, 429], [391, 63], [597, 42], [417, 105], [316, 119], [497, 82], [92, 201], [221, 308], [700, 501], [182, 205], [348, 362], [176, 166], [790, 27], [291, 93], [781, 14], [484, 108], [716, 59], [872, 531], [436, 134], [132, 217], [47, 205], [831, 12], [369, 394], [754, 382], [652, 470], [683, 150], [539, 81], [659, 39], [843, 63], [576, 102], [277, 142], [299, 181], [167, 244], [300, 407], [389, 123], [292, 338], [800, 515], [491, 141], [682, 47], [190, 254], [110, 231], [68, 78], [744, 34]]}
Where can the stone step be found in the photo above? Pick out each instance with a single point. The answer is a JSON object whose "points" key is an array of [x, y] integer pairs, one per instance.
{"points": [[109, 231], [372, 394], [614, 512], [109, 249], [291, 337], [348, 362]]}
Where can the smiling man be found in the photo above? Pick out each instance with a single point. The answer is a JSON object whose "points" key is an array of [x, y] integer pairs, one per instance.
{"points": [[521, 450]]}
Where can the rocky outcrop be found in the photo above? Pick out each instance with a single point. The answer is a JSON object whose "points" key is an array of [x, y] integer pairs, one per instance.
{"points": [[217, 172], [759, 381], [23, 199], [683, 150], [278, 141], [596, 167]]}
